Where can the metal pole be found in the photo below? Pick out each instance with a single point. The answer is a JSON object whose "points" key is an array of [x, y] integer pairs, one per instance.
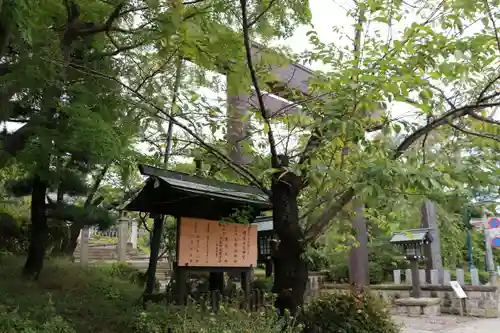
{"points": [[469, 250], [466, 216], [490, 265]]}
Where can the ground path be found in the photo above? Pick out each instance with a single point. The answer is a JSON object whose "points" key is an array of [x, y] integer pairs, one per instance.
{"points": [[448, 324]]}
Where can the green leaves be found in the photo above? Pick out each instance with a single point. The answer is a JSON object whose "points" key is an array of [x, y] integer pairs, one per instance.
{"points": [[19, 187], [84, 216]]}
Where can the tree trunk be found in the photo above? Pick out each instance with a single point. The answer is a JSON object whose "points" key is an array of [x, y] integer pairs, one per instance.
{"points": [[291, 267], [39, 230], [153, 255], [216, 281], [70, 243]]}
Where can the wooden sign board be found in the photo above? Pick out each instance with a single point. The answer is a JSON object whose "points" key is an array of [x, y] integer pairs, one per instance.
{"points": [[206, 243]]}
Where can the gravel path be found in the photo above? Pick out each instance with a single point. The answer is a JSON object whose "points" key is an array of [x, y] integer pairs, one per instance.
{"points": [[448, 324]]}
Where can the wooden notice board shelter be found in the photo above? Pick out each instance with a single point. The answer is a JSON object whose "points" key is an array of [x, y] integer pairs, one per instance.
{"points": [[199, 204], [265, 237]]}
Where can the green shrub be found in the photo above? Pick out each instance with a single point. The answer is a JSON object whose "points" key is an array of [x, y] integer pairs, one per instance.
{"points": [[484, 277], [347, 312], [318, 261], [339, 273], [12, 322], [127, 272], [193, 320], [13, 232], [263, 284], [70, 299], [376, 272]]}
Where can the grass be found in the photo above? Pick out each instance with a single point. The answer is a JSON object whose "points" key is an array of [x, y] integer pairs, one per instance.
{"points": [[89, 299], [70, 299]]}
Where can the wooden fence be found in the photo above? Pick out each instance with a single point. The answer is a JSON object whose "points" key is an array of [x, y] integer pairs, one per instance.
{"points": [[213, 301]]}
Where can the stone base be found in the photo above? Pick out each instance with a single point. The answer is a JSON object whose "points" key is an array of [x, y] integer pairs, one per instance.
{"points": [[418, 306]]}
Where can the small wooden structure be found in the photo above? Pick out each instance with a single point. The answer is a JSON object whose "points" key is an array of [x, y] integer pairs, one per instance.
{"points": [[413, 242], [202, 203], [265, 235]]}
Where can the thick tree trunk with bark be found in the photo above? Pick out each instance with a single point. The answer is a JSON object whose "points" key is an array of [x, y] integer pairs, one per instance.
{"points": [[291, 267], [39, 230]]}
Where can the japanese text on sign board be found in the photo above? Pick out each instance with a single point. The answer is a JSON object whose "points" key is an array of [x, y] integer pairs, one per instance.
{"points": [[206, 243]]}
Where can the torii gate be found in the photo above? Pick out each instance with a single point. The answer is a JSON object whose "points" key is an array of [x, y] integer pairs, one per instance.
{"points": [[291, 77]]}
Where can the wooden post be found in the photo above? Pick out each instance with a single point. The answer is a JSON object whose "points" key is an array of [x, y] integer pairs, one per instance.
{"points": [[122, 238], [415, 291], [84, 246], [133, 234], [181, 284], [462, 307], [246, 285], [269, 267]]}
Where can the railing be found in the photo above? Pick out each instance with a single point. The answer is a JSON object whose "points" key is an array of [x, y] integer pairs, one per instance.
{"points": [[404, 277], [133, 233], [95, 232]]}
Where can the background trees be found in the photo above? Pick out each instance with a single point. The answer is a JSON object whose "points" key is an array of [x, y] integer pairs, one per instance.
{"points": [[404, 110]]}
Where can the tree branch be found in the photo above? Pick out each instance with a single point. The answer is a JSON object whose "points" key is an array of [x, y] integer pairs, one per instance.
{"points": [[72, 10], [158, 70], [484, 119], [118, 49], [442, 120], [192, 2], [239, 169], [257, 18], [97, 182], [407, 39], [385, 123], [492, 19], [312, 143], [246, 39], [332, 210], [482, 97], [479, 135], [285, 108], [328, 214], [104, 26]]}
